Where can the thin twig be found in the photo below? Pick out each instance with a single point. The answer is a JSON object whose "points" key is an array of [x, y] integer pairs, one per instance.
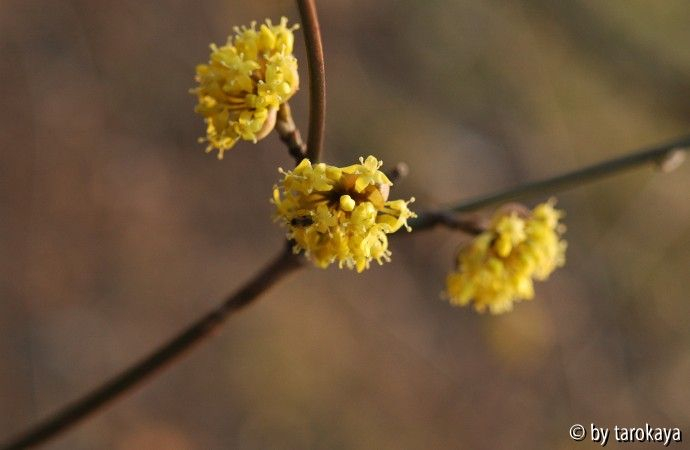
{"points": [[289, 134], [665, 156], [471, 224], [655, 155], [204, 328], [317, 78]]}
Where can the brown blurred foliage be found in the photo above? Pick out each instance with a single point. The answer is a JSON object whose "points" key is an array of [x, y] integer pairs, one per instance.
{"points": [[116, 229]]}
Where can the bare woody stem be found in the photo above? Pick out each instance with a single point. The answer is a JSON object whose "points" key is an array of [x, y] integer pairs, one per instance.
{"points": [[665, 156], [472, 225], [285, 263], [317, 79]]}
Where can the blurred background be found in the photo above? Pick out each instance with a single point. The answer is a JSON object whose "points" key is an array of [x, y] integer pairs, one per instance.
{"points": [[116, 229]]}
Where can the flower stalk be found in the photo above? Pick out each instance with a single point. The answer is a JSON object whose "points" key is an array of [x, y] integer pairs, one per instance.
{"points": [[289, 134]]}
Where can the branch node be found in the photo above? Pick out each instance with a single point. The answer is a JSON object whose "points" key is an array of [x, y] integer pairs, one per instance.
{"points": [[672, 160], [400, 171]]}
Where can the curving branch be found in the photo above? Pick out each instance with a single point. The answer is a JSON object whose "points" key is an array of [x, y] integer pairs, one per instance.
{"points": [[285, 263], [317, 78]]}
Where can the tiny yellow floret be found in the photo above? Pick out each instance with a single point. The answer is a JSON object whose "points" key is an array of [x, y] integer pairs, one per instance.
{"points": [[244, 83], [347, 203], [498, 267], [340, 215]]}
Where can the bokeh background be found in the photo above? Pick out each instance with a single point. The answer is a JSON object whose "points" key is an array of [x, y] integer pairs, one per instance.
{"points": [[116, 229]]}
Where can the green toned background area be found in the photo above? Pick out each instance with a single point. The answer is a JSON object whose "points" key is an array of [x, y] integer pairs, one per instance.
{"points": [[116, 229]]}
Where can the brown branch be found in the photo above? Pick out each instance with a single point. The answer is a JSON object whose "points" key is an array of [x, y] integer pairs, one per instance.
{"points": [[666, 157], [151, 365], [317, 78], [658, 156], [289, 134], [472, 224]]}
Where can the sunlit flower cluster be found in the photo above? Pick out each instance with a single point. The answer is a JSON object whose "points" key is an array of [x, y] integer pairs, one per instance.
{"points": [[338, 214], [498, 267], [244, 83]]}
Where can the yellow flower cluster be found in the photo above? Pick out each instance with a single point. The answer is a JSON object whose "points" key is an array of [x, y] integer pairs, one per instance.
{"points": [[497, 267], [340, 214], [245, 82]]}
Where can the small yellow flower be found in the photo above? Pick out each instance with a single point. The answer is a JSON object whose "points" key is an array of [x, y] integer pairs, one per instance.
{"points": [[244, 83], [340, 214], [497, 268]]}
